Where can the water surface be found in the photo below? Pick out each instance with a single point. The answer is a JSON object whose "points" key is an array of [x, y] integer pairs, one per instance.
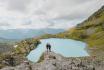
{"points": [[65, 47]]}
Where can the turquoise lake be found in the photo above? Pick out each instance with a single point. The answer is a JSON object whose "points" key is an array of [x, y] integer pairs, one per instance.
{"points": [[65, 47]]}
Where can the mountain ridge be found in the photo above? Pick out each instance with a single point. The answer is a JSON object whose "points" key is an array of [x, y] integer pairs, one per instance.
{"points": [[90, 31], [27, 33]]}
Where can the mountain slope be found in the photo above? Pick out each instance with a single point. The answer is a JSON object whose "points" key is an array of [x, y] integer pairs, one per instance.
{"points": [[90, 31]]}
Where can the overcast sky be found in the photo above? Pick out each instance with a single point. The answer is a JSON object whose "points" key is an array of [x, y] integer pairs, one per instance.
{"points": [[38, 14]]}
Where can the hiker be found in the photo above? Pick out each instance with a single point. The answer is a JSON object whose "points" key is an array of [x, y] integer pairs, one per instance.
{"points": [[48, 46]]}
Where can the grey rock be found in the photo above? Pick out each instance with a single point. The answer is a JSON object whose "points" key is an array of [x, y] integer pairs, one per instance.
{"points": [[53, 61]]}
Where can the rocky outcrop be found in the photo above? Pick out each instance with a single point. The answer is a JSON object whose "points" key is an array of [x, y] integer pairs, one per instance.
{"points": [[53, 61]]}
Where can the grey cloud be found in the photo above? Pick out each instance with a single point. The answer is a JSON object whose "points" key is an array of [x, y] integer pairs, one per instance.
{"points": [[81, 12], [71, 17], [4, 24], [27, 22], [80, 1], [18, 5], [52, 23], [51, 11], [50, 5], [39, 12], [3, 0]]}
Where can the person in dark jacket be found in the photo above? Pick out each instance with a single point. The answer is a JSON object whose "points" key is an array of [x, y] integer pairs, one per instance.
{"points": [[48, 47]]}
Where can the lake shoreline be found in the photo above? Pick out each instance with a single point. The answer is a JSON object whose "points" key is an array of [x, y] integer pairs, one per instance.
{"points": [[65, 47]]}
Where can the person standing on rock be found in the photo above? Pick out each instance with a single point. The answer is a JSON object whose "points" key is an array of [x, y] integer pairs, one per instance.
{"points": [[48, 46]]}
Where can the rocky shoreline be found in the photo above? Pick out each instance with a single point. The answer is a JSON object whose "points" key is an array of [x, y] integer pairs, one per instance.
{"points": [[53, 61]]}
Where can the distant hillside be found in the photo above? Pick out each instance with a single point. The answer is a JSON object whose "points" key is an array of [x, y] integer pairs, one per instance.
{"points": [[27, 33], [9, 41], [90, 31]]}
